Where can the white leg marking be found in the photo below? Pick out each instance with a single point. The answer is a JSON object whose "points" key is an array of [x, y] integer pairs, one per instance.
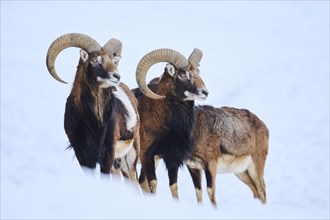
{"points": [[199, 195], [156, 159], [174, 190], [210, 192], [153, 186]]}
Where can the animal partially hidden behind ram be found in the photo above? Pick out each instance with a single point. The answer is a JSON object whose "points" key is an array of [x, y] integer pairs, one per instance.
{"points": [[101, 117], [228, 140]]}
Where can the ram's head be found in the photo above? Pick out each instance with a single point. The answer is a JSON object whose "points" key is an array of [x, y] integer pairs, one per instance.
{"points": [[98, 65], [183, 74]]}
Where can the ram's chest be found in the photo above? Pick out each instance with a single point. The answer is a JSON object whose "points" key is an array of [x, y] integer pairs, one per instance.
{"points": [[99, 110], [99, 107]]}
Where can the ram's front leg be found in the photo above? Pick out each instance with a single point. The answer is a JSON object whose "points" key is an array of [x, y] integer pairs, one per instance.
{"points": [[173, 179], [107, 153], [144, 182], [148, 166], [106, 163], [197, 180]]}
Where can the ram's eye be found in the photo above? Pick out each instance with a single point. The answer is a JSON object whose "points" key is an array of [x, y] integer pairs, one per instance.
{"points": [[96, 60], [183, 75]]}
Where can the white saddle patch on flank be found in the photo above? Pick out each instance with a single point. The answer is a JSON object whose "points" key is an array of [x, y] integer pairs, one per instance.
{"points": [[232, 164], [131, 118]]}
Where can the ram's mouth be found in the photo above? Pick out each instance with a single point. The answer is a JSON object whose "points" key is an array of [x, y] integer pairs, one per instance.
{"points": [[114, 79], [107, 82], [200, 96], [193, 97]]}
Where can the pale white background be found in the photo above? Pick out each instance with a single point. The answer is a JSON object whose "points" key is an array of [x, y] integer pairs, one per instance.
{"points": [[271, 57]]}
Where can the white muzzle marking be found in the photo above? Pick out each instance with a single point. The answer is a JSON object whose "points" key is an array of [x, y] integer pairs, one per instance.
{"points": [[106, 83], [192, 97]]}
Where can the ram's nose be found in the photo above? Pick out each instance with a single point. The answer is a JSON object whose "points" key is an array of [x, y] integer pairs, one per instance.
{"points": [[205, 92], [202, 94], [114, 77]]}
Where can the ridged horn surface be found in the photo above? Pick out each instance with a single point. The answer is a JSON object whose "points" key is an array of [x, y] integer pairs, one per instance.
{"points": [[113, 46], [153, 57], [196, 56], [82, 41]]}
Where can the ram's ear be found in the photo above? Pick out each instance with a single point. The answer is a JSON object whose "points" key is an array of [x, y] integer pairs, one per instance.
{"points": [[116, 59], [170, 68], [83, 55]]}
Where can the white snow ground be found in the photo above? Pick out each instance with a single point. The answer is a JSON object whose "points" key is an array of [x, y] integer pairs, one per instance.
{"points": [[271, 57]]}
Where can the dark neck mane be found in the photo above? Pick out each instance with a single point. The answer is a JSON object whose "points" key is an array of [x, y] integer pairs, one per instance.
{"points": [[175, 139]]}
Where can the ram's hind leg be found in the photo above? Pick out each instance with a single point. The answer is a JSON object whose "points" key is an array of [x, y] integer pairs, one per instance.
{"points": [[197, 180], [245, 178], [256, 174]]}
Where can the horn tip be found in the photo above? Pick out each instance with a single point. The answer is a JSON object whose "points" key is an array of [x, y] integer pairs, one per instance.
{"points": [[62, 81], [160, 97]]}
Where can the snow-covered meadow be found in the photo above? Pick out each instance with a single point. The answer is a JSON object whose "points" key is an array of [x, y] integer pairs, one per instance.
{"points": [[271, 57]]}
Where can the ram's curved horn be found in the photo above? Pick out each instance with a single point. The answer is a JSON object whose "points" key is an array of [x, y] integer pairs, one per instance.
{"points": [[153, 57], [69, 40], [195, 57], [113, 46]]}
